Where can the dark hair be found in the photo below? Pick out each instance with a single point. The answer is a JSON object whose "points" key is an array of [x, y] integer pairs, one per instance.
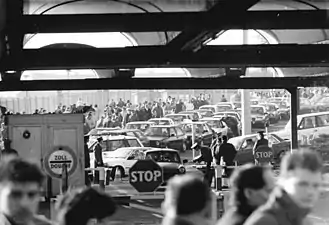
{"points": [[183, 188], [303, 159], [247, 176], [224, 137], [18, 170]]}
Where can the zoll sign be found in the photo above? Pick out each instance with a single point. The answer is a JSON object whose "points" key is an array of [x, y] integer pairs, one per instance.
{"points": [[263, 154], [56, 158], [145, 176]]}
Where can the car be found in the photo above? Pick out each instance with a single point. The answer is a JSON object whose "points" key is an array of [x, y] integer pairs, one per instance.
{"points": [[140, 125], [195, 114], [130, 132], [232, 113], [225, 106], [213, 108], [162, 121], [233, 123], [244, 146], [122, 159], [202, 132], [170, 136], [180, 118], [169, 160], [94, 133], [272, 110], [259, 116], [111, 143], [205, 112], [218, 125]]}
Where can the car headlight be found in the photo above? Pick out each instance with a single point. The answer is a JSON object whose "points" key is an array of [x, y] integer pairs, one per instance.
{"points": [[181, 169]]}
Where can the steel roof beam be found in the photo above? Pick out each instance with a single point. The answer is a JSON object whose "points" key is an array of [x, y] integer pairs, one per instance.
{"points": [[224, 10], [159, 56], [166, 83]]}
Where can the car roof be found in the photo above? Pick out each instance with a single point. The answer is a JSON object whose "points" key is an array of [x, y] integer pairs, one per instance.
{"points": [[162, 118], [208, 106], [312, 114], [120, 130], [120, 137], [134, 148], [178, 114], [195, 122], [165, 126], [141, 122], [161, 150], [210, 118]]}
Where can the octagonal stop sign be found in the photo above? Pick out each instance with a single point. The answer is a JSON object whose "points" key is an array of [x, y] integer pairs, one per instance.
{"points": [[145, 176], [263, 154]]}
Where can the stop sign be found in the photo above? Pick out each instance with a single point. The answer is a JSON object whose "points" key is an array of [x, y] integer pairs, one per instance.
{"points": [[145, 176], [263, 154]]}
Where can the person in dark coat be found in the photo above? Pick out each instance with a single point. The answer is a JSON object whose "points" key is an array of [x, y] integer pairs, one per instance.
{"points": [[98, 157], [261, 141], [228, 152], [205, 156], [251, 187], [298, 190], [179, 208]]}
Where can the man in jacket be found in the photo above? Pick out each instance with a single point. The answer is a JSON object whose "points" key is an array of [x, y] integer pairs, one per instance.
{"points": [[228, 152], [179, 208], [251, 186], [261, 141], [205, 156], [298, 190], [20, 187]]}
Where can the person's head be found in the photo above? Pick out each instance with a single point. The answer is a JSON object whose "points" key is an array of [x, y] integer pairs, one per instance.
{"points": [[260, 134], [224, 138], [251, 186], [178, 196], [301, 177], [99, 139], [20, 187], [79, 206]]}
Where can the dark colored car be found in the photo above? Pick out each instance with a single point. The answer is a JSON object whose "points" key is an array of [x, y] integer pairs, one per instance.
{"points": [[169, 160], [130, 132], [259, 116], [202, 132], [272, 110], [170, 136]]}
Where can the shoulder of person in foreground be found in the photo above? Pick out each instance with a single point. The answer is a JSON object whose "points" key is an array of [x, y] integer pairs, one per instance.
{"points": [[42, 220], [261, 218]]}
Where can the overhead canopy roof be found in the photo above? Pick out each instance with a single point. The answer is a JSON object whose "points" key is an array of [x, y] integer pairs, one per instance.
{"points": [[177, 38]]}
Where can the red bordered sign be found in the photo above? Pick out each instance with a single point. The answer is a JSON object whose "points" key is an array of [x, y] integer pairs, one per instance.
{"points": [[55, 159]]}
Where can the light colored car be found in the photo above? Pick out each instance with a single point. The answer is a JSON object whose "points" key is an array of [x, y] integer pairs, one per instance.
{"points": [[140, 125], [111, 143], [162, 121]]}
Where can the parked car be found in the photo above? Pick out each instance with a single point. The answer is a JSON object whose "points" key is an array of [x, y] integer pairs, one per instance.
{"points": [[202, 131], [195, 114], [169, 160], [273, 113], [218, 125], [170, 136], [259, 116], [140, 125], [245, 144], [130, 132]]}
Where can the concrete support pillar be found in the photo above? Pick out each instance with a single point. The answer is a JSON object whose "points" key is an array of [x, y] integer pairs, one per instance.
{"points": [[245, 100]]}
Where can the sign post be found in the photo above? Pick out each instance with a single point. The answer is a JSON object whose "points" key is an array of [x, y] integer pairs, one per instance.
{"points": [[145, 176], [263, 155], [56, 158]]}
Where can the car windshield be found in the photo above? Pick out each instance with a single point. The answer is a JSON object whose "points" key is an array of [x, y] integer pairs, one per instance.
{"points": [[141, 126], [164, 156], [120, 153], [157, 132], [257, 110], [160, 122], [206, 113], [188, 128], [223, 108], [237, 105], [177, 118], [208, 108], [112, 145]]}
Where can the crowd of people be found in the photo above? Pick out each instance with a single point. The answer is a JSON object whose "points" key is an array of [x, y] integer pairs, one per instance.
{"points": [[255, 197]]}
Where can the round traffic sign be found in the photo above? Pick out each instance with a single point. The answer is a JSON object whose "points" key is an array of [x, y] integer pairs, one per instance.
{"points": [[55, 159], [263, 154], [145, 175]]}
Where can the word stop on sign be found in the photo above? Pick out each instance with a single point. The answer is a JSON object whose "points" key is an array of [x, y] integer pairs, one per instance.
{"points": [[263, 154], [145, 176]]}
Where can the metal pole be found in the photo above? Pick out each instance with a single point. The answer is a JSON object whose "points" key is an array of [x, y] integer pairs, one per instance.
{"points": [[193, 140], [101, 178], [65, 179], [294, 106]]}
